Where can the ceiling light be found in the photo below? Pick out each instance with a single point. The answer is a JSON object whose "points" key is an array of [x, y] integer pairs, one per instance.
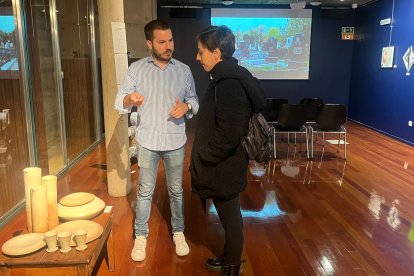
{"points": [[315, 3], [298, 5], [227, 2]]}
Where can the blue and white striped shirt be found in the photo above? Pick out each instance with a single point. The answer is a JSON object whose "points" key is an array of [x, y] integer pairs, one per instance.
{"points": [[157, 130]]}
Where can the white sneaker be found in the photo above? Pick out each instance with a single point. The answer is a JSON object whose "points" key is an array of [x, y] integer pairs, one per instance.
{"points": [[138, 252], [181, 247]]}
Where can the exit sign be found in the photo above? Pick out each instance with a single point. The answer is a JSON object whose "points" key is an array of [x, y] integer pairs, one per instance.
{"points": [[347, 33]]}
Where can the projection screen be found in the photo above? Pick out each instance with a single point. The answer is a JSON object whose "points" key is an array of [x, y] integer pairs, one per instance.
{"points": [[270, 43]]}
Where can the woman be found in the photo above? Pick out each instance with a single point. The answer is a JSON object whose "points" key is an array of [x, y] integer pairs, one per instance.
{"points": [[218, 162]]}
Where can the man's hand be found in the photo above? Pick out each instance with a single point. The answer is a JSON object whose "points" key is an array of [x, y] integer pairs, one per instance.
{"points": [[179, 109], [133, 99]]}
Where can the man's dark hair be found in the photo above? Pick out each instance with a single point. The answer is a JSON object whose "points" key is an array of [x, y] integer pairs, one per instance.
{"points": [[155, 25], [220, 37]]}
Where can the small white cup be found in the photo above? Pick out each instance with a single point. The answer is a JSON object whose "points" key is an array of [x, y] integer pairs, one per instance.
{"points": [[50, 238], [80, 239], [64, 239]]}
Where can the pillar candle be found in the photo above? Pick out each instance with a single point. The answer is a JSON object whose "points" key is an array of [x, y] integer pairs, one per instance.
{"points": [[32, 177], [38, 199], [50, 182]]}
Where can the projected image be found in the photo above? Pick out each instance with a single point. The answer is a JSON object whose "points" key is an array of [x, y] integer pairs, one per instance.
{"points": [[8, 53], [272, 44]]}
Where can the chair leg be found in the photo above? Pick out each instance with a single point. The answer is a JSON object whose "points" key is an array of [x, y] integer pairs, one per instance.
{"points": [[312, 143], [307, 142], [274, 143], [345, 143]]}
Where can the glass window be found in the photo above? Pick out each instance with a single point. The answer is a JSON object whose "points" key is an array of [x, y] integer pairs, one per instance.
{"points": [[14, 149]]}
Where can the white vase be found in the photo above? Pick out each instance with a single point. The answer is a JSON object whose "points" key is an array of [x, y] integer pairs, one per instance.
{"points": [[50, 182], [32, 177], [39, 209]]}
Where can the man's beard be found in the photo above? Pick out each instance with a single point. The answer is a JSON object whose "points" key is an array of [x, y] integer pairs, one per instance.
{"points": [[159, 56]]}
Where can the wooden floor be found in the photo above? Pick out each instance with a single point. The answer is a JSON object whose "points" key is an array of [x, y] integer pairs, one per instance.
{"points": [[327, 216]]}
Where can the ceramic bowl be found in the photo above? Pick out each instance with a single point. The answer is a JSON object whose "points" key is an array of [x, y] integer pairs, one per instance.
{"points": [[76, 199], [86, 211]]}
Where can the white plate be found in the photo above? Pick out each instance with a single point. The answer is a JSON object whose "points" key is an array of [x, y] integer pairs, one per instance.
{"points": [[86, 211], [94, 229], [76, 199], [23, 244]]}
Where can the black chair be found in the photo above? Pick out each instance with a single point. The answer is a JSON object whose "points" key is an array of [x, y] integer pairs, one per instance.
{"points": [[331, 119], [271, 112], [312, 108], [272, 109], [291, 119]]}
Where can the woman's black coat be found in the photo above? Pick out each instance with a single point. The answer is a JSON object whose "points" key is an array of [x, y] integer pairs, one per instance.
{"points": [[218, 162]]}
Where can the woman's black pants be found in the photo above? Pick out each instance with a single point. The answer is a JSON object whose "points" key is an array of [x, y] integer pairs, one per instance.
{"points": [[231, 219]]}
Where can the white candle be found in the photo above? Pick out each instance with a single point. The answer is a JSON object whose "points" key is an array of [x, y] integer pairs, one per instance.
{"points": [[32, 177], [39, 209], [50, 182]]}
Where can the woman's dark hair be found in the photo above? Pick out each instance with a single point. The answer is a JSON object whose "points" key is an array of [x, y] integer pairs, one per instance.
{"points": [[155, 25], [220, 37]]}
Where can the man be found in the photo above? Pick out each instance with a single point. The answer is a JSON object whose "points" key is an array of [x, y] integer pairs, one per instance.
{"points": [[163, 90]]}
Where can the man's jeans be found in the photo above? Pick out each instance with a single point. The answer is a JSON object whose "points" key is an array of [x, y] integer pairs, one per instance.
{"points": [[148, 162]]}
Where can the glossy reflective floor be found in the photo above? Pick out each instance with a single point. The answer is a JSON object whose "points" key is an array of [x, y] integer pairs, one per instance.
{"points": [[327, 216]]}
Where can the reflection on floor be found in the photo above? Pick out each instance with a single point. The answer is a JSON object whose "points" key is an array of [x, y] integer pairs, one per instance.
{"points": [[337, 216]]}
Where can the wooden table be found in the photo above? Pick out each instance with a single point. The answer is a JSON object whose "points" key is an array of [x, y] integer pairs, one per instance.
{"points": [[72, 263]]}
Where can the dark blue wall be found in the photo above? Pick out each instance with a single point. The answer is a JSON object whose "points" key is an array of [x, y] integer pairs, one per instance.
{"points": [[330, 65], [383, 99]]}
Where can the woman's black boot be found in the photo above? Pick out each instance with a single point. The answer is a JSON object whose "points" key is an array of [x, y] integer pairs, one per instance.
{"points": [[230, 270], [215, 264]]}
